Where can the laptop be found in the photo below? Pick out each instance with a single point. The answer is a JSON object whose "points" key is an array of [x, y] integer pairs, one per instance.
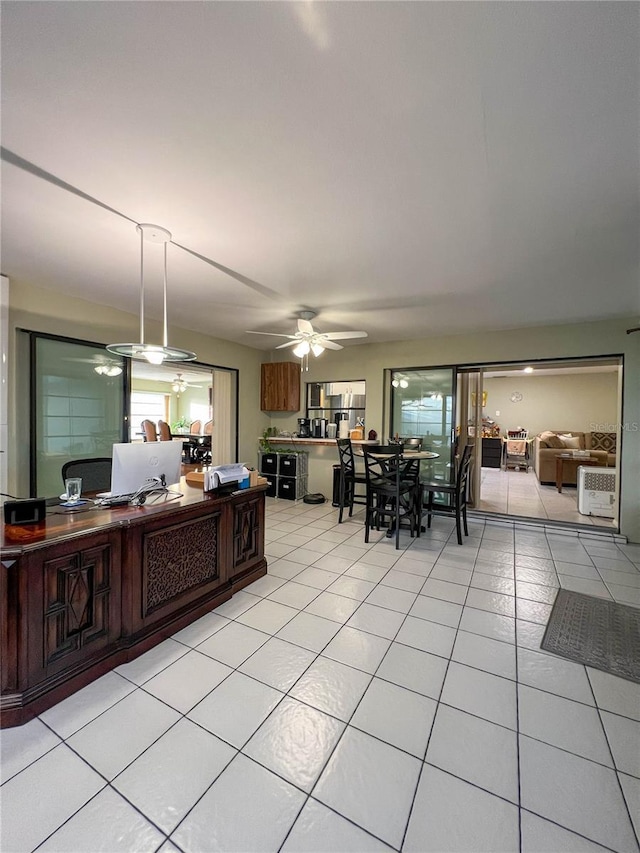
{"points": [[136, 464]]}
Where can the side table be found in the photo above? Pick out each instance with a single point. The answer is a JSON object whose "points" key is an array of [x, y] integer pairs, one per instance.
{"points": [[563, 459]]}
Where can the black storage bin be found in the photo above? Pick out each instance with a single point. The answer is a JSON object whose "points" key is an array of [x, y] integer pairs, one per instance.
{"points": [[272, 486], [287, 488], [288, 466], [336, 485], [268, 463]]}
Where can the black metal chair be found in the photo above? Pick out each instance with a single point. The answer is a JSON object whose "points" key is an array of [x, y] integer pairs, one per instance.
{"points": [[458, 492], [95, 473], [392, 493], [349, 477]]}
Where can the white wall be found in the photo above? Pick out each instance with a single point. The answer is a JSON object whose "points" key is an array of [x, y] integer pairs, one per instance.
{"points": [[564, 401]]}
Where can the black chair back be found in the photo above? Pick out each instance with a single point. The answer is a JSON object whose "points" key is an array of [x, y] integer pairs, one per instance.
{"points": [[462, 475], [391, 489], [345, 455], [349, 477], [95, 473]]}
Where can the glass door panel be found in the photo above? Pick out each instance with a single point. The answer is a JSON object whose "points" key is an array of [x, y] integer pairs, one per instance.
{"points": [[77, 407], [422, 406]]}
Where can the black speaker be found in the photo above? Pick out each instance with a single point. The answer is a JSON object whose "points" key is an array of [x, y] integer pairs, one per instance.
{"points": [[28, 511]]}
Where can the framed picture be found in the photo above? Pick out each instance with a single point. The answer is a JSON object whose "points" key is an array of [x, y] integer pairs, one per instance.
{"points": [[473, 399]]}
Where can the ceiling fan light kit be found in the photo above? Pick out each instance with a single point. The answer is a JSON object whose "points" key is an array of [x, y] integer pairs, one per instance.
{"points": [[108, 370], [152, 353], [306, 339]]}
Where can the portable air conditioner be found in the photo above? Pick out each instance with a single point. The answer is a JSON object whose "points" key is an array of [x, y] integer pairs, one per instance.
{"points": [[597, 491]]}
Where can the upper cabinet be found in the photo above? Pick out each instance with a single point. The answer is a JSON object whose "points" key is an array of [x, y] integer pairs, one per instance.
{"points": [[280, 387]]}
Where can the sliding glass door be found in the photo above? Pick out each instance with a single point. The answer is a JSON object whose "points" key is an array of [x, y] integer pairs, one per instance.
{"points": [[78, 394], [422, 406]]}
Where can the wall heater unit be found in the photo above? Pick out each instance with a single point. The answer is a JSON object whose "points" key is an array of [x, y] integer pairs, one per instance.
{"points": [[597, 491]]}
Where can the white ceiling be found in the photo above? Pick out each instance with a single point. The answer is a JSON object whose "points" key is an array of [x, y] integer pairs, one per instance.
{"points": [[406, 168]]}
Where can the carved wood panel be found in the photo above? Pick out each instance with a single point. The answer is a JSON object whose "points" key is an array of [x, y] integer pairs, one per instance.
{"points": [[179, 558], [246, 538], [77, 587]]}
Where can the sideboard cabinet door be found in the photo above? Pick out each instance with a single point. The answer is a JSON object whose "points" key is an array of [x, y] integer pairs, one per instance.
{"points": [[280, 387]]}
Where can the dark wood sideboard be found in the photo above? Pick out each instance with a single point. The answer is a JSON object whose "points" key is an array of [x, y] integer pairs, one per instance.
{"points": [[84, 592]]}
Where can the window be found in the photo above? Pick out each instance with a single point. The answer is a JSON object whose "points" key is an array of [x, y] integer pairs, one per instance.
{"points": [[146, 406]]}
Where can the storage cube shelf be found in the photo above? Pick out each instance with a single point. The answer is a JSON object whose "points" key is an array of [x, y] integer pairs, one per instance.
{"points": [[286, 473]]}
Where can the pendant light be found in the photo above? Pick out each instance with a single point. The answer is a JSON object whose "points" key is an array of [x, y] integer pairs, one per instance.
{"points": [[153, 353]]}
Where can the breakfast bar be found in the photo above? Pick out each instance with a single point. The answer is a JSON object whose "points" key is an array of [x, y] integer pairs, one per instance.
{"points": [[83, 592]]}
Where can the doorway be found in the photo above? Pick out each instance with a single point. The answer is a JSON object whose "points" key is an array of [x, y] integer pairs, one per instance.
{"points": [[507, 408]]}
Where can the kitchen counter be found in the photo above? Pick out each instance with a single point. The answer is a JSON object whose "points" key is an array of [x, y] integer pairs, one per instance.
{"points": [[323, 455], [293, 441]]}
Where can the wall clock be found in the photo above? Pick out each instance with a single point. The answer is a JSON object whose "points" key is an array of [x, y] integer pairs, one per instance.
{"points": [[516, 397]]}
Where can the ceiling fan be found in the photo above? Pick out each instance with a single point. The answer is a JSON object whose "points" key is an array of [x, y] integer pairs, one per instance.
{"points": [[307, 339], [180, 385], [102, 366]]}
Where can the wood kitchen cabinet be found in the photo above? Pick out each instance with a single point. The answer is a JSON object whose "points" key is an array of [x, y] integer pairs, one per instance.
{"points": [[280, 387]]}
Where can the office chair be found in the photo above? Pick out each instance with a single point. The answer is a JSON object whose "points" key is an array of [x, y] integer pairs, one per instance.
{"points": [[95, 473]]}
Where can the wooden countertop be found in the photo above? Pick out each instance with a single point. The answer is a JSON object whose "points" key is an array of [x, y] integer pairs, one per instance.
{"points": [[61, 523]]}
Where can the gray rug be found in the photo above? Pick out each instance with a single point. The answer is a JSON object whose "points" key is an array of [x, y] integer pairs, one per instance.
{"points": [[595, 632]]}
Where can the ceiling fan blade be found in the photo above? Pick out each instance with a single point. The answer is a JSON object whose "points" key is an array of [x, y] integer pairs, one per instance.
{"points": [[330, 345], [288, 344], [343, 336], [305, 327], [273, 334]]}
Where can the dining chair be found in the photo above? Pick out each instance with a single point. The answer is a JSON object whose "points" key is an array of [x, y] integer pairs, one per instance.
{"points": [[149, 430], [391, 494], [456, 490], [95, 473], [165, 431], [195, 427], [208, 428], [349, 477]]}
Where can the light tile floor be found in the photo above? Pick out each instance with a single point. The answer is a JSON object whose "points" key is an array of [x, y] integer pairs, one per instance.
{"points": [[518, 493], [357, 698]]}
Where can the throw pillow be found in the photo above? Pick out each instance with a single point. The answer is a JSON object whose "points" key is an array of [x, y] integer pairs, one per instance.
{"points": [[571, 442], [603, 441], [550, 439]]}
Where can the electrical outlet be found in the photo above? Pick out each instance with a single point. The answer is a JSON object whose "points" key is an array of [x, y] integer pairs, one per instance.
{"points": [[497, 414]]}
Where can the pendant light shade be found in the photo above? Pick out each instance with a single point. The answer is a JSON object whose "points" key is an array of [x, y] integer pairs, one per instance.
{"points": [[153, 353]]}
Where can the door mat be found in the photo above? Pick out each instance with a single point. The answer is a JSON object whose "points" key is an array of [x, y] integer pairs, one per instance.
{"points": [[595, 632]]}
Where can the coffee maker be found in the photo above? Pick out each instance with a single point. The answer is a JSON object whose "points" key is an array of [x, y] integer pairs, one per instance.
{"points": [[304, 428], [319, 427]]}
